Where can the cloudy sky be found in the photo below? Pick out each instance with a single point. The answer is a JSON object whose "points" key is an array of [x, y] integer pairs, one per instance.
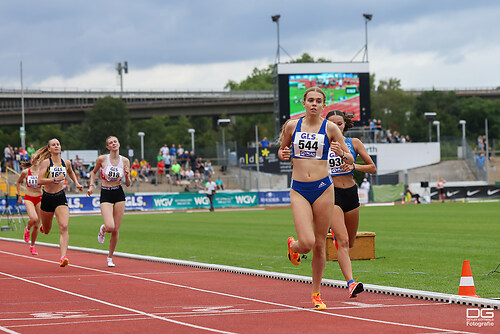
{"points": [[201, 44]]}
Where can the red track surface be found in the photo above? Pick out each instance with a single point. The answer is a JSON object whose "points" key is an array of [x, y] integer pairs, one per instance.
{"points": [[37, 296]]}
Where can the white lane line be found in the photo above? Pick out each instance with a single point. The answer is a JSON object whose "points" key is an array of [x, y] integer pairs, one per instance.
{"points": [[6, 330], [247, 298], [117, 306]]}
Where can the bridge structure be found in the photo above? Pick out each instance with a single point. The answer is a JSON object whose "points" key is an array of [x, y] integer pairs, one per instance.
{"points": [[67, 107]]}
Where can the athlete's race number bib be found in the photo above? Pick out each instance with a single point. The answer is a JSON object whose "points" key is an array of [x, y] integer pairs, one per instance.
{"points": [[56, 171], [32, 181], [114, 173], [308, 145], [334, 163]]}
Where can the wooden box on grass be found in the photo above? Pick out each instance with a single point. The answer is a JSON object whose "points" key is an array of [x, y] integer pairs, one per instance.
{"points": [[364, 247]]}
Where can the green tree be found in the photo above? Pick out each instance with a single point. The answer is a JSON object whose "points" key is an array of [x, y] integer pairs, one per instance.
{"points": [[108, 117], [391, 105]]}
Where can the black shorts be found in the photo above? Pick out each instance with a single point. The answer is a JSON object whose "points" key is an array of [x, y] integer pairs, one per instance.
{"points": [[51, 201], [347, 199], [441, 191], [112, 194]]}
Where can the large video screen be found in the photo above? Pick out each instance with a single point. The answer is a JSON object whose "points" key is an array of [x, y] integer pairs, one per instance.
{"points": [[346, 86]]}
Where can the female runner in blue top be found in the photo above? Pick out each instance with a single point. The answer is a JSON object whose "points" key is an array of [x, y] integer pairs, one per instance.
{"points": [[345, 219], [311, 193], [51, 176]]}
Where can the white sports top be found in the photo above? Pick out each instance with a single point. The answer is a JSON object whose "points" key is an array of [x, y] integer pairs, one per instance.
{"points": [[112, 173]]}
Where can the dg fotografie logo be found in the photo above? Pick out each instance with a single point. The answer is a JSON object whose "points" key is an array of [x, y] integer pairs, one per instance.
{"points": [[480, 317]]}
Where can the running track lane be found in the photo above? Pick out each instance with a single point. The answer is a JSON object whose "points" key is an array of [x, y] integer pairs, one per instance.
{"points": [[37, 296]]}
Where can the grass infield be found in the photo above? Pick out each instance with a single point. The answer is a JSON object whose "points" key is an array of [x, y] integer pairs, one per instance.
{"points": [[417, 246]]}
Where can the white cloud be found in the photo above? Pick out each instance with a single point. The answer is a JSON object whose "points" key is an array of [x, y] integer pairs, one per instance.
{"points": [[167, 77]]}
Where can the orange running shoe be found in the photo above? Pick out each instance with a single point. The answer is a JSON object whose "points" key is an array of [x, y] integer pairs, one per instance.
{"points": [[335, 241], [41, 228], [64, 262], [292, 256], [355, 288], [26, 235], [318, 302]]}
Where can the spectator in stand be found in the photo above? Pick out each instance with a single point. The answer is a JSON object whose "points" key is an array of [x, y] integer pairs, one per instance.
{"points": [[30, 150], [167, 161], [78, 162], [176, 168], [219, 183], [164, 150], [17, 160], [24, 154], [184, 158], [182, 173], [134, 170], [491, 157], [390, 137], [480, 160], [7, 153], [379, 134], [199, 166], [192, 159], [480, 144], [180, 151], [160, 171], [173, 153], [189, 174], [145, 170], [264, 143], [209, 170], [197, 178], [373, 128]]}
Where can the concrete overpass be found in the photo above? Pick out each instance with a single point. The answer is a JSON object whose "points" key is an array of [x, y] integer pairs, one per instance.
{"points": [[45, 107], [67, 107]]}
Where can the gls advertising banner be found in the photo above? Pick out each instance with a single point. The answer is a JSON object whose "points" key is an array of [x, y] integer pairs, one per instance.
{"points": [[88, 204]]}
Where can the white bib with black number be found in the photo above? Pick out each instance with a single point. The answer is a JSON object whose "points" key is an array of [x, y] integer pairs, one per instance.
{"points": [[113, 173], [334, 163], [55, 171], [32, 181], [308, 145]]}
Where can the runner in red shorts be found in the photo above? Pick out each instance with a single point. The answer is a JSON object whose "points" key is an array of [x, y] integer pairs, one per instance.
{"points": [[32, 198]]}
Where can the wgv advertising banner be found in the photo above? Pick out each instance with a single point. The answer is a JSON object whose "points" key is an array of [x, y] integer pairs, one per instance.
{"points": [[198, 201]]}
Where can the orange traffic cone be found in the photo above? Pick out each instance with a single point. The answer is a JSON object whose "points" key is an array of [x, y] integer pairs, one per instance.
{"points": [[467, 282]]}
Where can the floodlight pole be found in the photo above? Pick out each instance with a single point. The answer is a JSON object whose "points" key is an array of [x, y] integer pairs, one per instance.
{"points": [[192, 131], [276, 18], [22, 131], [257, 156], [121, 69], [142, 134], [437, 124], [368, 17], [463, 122]]}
